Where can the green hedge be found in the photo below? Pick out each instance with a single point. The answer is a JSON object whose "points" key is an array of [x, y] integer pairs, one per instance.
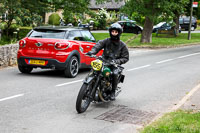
{"points": [[23, 31], [54, 19], [198, 22]]}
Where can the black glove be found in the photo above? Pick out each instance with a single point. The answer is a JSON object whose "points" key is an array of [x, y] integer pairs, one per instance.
{"points": [[89, 53], [115, 62]]}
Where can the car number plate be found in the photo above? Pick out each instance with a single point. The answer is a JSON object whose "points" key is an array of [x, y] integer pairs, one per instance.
{"points": [[37, 62]]}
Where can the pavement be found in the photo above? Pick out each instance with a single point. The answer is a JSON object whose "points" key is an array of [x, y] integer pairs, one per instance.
{"points": [[193, 102]]}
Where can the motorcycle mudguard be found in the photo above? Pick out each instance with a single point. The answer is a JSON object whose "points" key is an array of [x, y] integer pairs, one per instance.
{"points": [[88, 79]]}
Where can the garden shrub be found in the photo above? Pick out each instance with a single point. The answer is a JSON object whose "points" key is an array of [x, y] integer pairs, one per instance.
{"points": [[3, 25], [54, 19], [23, 31], [198, 22]]}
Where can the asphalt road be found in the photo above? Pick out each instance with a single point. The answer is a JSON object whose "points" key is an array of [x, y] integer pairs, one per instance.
{"points": [[44, 101]]}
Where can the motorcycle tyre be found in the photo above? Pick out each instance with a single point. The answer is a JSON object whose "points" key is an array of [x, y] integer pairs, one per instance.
{"points": [[80, 97]]}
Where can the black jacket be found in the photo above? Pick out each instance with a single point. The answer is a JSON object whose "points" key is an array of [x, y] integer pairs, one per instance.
{"points": [[113, 50]]}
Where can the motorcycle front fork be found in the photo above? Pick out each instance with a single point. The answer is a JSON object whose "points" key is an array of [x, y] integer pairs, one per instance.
{"points": [[93, 92]]}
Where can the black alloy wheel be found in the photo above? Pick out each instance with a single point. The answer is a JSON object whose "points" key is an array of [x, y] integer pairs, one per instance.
{"points": [[72, 68]]}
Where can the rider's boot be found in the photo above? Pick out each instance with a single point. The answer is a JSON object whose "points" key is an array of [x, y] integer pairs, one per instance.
{"points": [[112, 95]]}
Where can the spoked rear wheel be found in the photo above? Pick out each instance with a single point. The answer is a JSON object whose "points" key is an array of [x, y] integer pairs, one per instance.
{"points": [[83, 99]]}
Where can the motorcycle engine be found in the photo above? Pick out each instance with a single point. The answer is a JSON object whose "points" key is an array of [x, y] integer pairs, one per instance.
{"points": [[106, 85]]}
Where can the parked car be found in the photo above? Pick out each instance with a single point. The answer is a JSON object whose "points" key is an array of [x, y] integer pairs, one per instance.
{"points": [[55, 48], [163, 26], [184, 22], [130, 27]]}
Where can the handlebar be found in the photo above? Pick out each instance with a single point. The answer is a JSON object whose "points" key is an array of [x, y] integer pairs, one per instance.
{"points": [[106, 62]]}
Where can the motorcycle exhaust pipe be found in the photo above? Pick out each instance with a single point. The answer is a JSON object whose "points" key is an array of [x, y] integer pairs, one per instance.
{"points": [[101, 97]]}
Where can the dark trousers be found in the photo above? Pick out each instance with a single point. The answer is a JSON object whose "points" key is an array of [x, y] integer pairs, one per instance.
{"points": [[114, 78]]}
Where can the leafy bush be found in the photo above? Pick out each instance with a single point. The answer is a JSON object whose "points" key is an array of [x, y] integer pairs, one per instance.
{"points": [[96, 25], [198, 22], [13, 28], [10, 31], [54, 19], [3, 25], [112, 18], [23, 31], [7, 40], [101, 18]]}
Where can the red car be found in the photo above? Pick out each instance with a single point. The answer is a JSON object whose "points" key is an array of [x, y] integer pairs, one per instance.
{"points": [[55, 48]]}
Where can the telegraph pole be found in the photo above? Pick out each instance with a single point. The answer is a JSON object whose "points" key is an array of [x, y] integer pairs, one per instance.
{"points": [[191, 11]]}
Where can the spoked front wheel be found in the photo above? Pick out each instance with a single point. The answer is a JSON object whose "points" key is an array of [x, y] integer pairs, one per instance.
{"points": [[83, 99]]}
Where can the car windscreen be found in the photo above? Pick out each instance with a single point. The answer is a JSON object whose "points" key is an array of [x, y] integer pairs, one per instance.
{"points": [[57, 34]]}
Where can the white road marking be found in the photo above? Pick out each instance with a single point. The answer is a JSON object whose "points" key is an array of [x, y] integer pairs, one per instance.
{"points": [[163, 61], [11, 97], [69, 83], [138, 68], [180, 57]]}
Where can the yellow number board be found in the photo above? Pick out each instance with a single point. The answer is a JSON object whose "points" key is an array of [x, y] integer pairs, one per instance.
{"points": [[96, 65], [37, 62]]}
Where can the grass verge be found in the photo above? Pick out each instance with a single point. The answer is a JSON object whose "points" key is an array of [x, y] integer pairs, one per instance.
{"points": [[176, 122], [160, 41], [124, 37]]}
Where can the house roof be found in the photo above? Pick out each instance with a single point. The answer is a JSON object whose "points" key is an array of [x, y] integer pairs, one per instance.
{"points": [[107, 5]]}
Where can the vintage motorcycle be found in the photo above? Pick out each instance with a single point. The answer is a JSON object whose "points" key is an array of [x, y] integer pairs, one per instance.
{"points": [[97, 85]]}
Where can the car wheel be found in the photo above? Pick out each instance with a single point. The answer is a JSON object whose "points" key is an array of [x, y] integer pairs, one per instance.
{"points": [[24, 69], [192, 28], [72, 68], [139, 32]]}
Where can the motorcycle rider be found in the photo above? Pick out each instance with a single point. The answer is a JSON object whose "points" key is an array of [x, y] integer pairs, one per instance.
{"points": [[114, 50]]}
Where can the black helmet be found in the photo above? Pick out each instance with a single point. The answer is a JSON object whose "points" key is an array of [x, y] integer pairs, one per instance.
{"points": [[117, 27]]}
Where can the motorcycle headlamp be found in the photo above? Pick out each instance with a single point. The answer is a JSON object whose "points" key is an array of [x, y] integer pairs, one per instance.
{"points": [[106, 72]]}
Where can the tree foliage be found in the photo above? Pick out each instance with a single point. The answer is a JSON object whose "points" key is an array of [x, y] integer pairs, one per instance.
{"points": [[153, 10], [54, 19], [23, 12], [73, 10]]}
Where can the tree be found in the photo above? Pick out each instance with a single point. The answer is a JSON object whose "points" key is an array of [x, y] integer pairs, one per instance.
{"points": [[73, 10], [24, 12], [11, 8], [152, 10], [34, 11], [175, 9]]}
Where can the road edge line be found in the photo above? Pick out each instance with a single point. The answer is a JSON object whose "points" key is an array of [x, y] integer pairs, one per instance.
{"points": [[185, 98], [174, 108]]}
